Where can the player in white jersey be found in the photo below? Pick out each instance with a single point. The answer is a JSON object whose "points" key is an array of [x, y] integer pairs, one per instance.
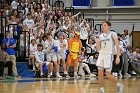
{"points": [[51, 49], [40, 60], [61, 53], [105, 45]]}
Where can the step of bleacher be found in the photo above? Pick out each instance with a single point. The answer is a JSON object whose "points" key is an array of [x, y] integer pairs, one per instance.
{"points": [[24, 71]]}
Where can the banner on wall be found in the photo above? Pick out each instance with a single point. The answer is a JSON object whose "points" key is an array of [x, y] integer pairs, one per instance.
{"points": [[123, 3], [81, 2]]}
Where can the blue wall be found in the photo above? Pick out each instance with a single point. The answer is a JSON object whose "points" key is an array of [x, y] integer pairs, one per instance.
{"points": [[123, 2], [81, 2]]}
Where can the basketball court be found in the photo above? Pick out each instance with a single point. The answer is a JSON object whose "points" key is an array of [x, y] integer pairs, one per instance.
{"points": [[66, 85]]}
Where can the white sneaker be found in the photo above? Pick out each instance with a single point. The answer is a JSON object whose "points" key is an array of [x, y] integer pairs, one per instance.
{"points": [[92, 75], [102, 90], [127, 75], [133, 72], [58, 76], [115, 74], [49, 75], [120, 87]]}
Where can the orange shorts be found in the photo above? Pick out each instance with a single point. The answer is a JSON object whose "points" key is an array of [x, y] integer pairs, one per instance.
{"points": [[72, 61]]}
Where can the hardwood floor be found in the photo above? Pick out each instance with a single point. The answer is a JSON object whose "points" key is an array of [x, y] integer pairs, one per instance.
{"points": [[66, 85]]}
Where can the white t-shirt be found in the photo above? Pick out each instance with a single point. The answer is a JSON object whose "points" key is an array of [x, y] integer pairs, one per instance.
{"points": [[49, 45], [43, 43], [62, 46], [107, 42], [28, 23], [39, 42], [39, 56], [127, 39], [33, 48]]}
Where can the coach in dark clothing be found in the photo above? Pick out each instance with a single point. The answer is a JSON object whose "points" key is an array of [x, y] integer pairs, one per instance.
{"points": [[4, 61]]}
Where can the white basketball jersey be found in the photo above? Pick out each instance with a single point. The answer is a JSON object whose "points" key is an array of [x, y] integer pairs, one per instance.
{"points": [[62, 46], [107, 43]]}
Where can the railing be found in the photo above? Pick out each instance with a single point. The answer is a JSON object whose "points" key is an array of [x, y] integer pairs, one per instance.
{"points": [[23, 46], [3, 24], [1, 4], [12, 29]]}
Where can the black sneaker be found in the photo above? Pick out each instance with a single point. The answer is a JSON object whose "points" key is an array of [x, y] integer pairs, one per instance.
{"points": [[42, 76]]}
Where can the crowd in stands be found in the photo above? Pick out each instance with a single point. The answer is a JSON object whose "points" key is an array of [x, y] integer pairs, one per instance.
{"points": [[58, 37]]}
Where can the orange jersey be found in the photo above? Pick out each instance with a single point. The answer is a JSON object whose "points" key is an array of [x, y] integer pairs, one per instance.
{"points": [[74, 45]]}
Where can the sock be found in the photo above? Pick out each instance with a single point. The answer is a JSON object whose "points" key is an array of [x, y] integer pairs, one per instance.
{"points": [[57, 74], [65, 72], [50, 73], [75, 73], [41, 73]]}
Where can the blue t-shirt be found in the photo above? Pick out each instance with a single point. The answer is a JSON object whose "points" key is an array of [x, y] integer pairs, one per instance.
{"points": [[10, 51]]}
